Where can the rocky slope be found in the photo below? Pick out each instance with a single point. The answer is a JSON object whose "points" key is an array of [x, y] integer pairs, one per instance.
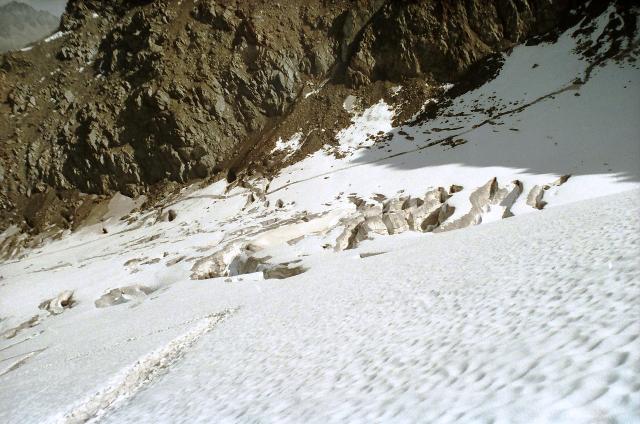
{"points": [[20, 25], [132, 96]]}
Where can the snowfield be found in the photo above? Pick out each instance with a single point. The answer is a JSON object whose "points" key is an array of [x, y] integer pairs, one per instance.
{"points": [[532, 318], [338, 292]]}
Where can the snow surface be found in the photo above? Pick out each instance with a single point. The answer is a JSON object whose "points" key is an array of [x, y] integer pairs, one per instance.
{"points": [[532, 318], [438, 329], [529, 319]]}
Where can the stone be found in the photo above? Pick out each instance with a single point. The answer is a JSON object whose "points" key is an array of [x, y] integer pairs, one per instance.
{"points": [[228, 79], [68, 96]]}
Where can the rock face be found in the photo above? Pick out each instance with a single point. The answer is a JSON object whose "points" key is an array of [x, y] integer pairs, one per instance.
{"points": [[409, 39], [20, 24], [133, 94]]}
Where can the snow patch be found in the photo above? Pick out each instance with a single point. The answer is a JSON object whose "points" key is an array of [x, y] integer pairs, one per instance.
{"points": [[55, 36], [290, 146], [373, 121]]}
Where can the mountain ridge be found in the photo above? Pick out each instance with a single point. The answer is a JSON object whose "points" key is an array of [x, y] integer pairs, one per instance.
{"points": [[21, 24]]}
